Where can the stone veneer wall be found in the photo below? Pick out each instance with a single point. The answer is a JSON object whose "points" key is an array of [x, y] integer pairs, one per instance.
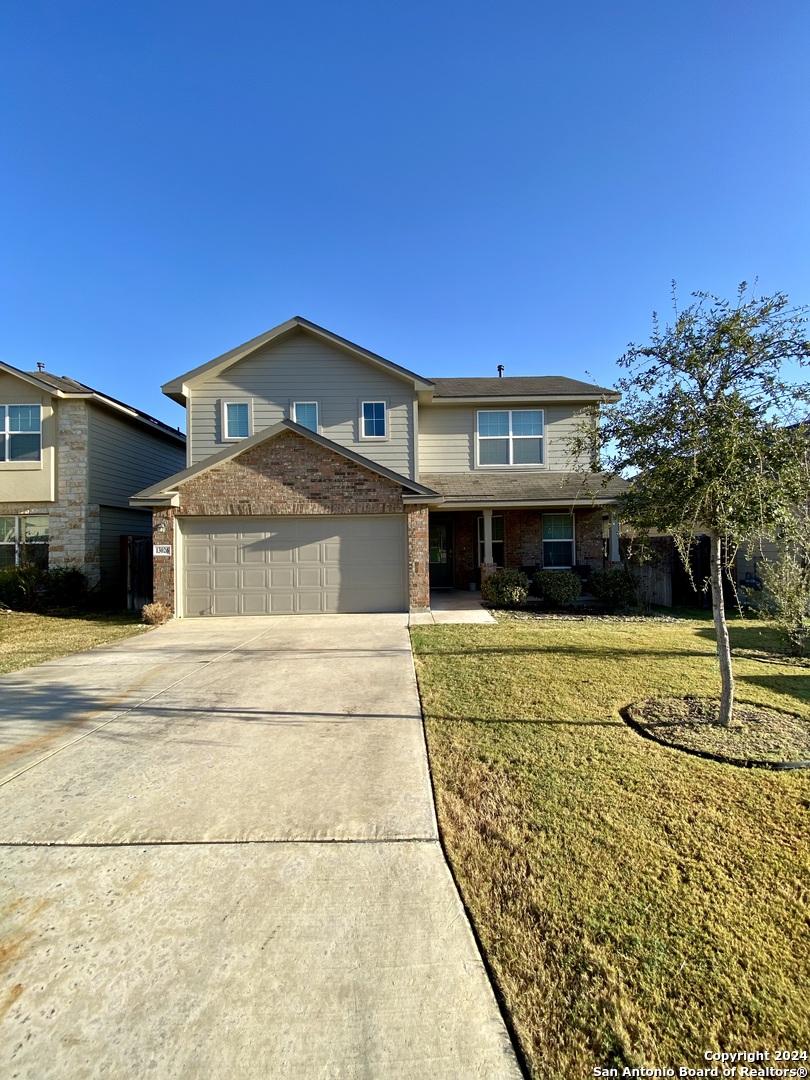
{"points": [[74, 525], [290, 474], [74, 528]]}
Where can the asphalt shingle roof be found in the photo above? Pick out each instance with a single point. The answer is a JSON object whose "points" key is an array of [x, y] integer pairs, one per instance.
{"points": [[523, 487], [517, 386]]}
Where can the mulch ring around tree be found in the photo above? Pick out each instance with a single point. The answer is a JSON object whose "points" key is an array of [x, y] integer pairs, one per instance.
{"points": [[766, 739]]}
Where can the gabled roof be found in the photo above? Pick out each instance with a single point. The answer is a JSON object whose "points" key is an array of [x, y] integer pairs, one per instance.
{"points": [[60, 386], [540, 386], [524, 489], [163, 492], [176, 388]]}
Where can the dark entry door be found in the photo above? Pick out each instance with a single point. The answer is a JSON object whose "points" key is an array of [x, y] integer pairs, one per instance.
{"points": [[441, 553]]}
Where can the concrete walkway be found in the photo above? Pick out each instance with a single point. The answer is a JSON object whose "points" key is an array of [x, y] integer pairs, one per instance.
{"points": [[453, 606], [219, 859]]}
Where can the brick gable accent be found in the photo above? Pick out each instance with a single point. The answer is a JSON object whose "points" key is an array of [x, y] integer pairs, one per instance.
{"points": [[292, 475], [289, 474]]}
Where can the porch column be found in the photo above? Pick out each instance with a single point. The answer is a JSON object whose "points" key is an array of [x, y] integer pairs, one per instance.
{"points": [[488, 565]]}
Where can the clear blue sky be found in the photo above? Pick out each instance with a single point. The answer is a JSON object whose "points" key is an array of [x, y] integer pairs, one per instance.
{"points": [[453, 185]]}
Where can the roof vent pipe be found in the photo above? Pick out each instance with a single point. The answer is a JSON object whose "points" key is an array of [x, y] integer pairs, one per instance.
{"points": [[40, 365], [500, 371]]}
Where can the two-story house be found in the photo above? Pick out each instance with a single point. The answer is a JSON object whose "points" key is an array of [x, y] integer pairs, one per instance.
{"points": [[70, 458], [322, 477]]}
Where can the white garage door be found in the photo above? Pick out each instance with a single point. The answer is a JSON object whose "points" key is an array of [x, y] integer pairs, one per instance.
{"points": [[287, 565]]}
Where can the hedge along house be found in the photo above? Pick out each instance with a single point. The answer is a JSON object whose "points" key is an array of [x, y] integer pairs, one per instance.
{"points": [[321, 477], [70, 458]]}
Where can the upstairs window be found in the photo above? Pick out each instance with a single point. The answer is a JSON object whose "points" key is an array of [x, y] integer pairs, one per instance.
{"points": [[20, 432], [305, 413], [558, 541], [510, 437], [373, 422], [24, 540], [236, 419]]}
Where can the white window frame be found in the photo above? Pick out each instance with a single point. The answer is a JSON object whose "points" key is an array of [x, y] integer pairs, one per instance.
{"points": [[295, 419], [572, 541], [374, 438], [511, 439], [236, 438], [6, 433], [18, 542]]}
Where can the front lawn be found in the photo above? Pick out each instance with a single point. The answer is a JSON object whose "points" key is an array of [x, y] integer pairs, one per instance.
{"points": [[637, 905], [27, 639]]}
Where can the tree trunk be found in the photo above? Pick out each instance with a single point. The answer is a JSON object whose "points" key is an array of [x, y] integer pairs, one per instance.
{"points": [[721, 629]]}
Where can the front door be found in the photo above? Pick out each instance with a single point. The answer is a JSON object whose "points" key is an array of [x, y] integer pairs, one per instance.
{"points": [[441, 553]]}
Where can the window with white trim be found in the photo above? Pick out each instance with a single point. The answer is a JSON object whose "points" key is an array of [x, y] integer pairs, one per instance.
{"points": [[20, 432], [236, 419], [305, 413], [24, 540], [510, 437], [558, 541], [373, 420]]}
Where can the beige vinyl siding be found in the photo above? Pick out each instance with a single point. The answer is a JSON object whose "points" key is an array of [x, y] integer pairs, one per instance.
{"points": [[115, 522], [750, 557], [447, 436], [303, 369], [126, 458], [29, 481]]}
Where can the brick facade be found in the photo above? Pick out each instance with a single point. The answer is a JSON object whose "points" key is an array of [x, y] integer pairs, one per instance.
{"points": [[290, 474], [163, 568], [418, 559]]}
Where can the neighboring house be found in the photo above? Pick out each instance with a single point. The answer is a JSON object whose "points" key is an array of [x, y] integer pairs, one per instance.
{"points": [[70, 458], [322, 477]]}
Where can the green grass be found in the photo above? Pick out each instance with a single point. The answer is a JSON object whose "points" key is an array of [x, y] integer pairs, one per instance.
{"points": [[31, 639], [638, 906]]}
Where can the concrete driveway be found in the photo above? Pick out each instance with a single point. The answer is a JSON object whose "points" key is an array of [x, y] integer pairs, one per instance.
{"points": [[219, 859]]}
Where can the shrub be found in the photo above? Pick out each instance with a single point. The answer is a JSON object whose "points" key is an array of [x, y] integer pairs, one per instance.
{"points": [[156, 614], [505, 588], [18, 587], [615, 587], [787, 595], [63, 587], [31, 588], [556, 587]]}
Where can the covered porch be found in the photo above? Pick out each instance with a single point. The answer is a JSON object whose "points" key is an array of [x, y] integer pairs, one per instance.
{"points": [[467, 544]]}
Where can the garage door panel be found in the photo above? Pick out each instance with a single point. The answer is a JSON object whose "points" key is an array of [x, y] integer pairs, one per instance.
{"points": [[294, 565], [282, 577], [278, 554], [255, 553], [255, 604], [222, 604], [254, 577], [281, 604], [309, 577], [225, 580]]}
